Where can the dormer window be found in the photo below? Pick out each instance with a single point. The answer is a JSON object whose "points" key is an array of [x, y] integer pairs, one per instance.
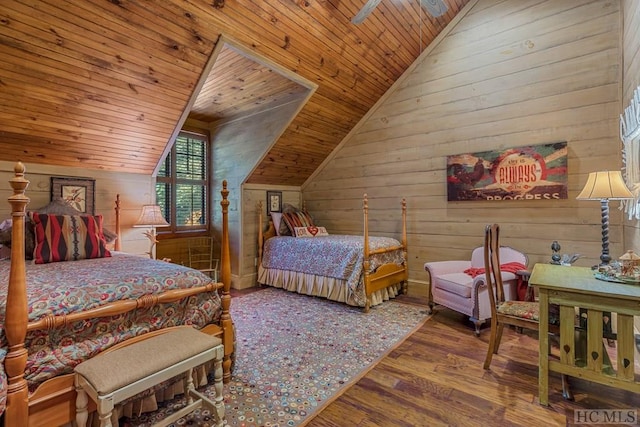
{"points": [[182, 184]]}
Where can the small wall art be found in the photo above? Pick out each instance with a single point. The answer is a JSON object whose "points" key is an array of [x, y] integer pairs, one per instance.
{"points": [[534, 172], [274, 201], [77, 192]]}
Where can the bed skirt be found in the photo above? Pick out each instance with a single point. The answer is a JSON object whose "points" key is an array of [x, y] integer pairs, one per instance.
{"points": [[321, 286]]}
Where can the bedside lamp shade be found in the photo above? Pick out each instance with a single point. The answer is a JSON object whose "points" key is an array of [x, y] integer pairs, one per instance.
{"points": [[605, 186], [151, 216]]}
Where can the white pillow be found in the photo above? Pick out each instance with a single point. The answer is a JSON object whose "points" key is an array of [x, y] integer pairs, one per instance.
{"points": [[311, 231], [276, 217]]}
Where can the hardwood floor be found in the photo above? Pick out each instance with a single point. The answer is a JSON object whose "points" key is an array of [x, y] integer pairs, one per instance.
{"points": [[435, 378]]}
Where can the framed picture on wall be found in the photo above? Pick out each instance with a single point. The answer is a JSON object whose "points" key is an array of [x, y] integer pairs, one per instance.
{"points": [[77, 192], [274, 201]]}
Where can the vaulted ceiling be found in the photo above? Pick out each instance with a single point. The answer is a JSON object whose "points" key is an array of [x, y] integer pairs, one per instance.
{"points": [[105, 84]]}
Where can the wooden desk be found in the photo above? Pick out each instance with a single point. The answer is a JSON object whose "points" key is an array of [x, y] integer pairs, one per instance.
{"points": [[571, 287]]}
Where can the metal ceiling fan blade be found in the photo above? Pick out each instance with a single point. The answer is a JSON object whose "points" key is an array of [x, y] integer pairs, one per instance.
{"points": [[365, 11], [434, 7]]}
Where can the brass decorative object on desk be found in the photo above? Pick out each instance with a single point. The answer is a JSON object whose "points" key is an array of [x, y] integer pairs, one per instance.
{"points": [[630, 266], [626, 269]]}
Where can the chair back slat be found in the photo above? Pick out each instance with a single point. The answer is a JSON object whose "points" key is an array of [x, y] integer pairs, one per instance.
{"points": [[201, 256]]}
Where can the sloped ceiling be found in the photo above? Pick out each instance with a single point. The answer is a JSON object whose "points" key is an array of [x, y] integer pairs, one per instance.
{"points": [[104, 84], [238, 86]]}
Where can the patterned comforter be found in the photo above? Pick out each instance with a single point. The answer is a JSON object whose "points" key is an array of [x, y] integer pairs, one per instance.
{"points": [[336, 256], [73, 286]]}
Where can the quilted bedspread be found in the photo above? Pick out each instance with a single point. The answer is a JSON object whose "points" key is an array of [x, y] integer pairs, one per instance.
{"points": [[337, 256], [68, 287]]}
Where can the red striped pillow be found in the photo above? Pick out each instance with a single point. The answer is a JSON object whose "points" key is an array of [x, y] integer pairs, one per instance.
{"points": [[297, 219], [68, 238]]}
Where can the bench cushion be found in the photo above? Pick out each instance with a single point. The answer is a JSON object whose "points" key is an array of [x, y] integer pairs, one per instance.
{"points": [[118, 368]]}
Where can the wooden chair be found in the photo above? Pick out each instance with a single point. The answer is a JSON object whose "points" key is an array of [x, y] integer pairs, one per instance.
{"points": [[201, 256], [521, 314]]}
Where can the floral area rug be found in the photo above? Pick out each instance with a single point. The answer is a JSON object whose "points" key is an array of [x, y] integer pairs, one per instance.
{"points": [[295, 354]]}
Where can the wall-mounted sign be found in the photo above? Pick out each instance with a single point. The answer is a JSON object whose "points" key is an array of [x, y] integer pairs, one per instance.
{"points": [[536, 172]]}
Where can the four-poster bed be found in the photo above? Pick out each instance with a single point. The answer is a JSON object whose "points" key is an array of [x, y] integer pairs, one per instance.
{"points": [[51, 325], [357, 270]]}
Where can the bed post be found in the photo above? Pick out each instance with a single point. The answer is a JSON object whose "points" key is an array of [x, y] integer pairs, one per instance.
{"points": [[405, 283], [260, 235], [365, 264], [225, 276], [17, 411], [117, 244]]}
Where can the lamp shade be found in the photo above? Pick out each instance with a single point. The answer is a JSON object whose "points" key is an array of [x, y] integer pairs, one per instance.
{"points": [[151, 216], [605, 185]]}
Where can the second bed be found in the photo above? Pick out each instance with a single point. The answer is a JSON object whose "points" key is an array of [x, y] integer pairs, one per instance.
{"points": [[358, 270]]}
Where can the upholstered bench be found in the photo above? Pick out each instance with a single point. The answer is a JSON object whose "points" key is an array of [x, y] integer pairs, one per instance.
{"points": [[116, 375]]}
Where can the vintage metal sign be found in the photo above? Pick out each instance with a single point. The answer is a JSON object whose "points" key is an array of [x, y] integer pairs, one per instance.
{"points": [[536, 172]]}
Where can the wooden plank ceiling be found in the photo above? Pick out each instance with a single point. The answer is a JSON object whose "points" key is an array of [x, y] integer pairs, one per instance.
{"points": [[103, 84]]}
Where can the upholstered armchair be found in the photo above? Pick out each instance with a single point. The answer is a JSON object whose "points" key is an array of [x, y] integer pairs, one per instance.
{"points": [[466, 292]]}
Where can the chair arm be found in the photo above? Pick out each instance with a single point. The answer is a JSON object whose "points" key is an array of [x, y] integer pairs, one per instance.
{"points": [[479, 283], [437, 268]]}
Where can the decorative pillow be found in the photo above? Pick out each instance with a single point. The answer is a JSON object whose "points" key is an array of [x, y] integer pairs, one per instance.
{"points": [[5, 237], [55, 207], [108, 235], [311, 231], [276, 218], [68, 238], [284, 230], [60, 207], [6, 234], [297, 219]]}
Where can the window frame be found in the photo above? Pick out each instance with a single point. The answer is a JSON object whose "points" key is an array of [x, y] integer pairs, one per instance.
{"points": [[174, 230]]}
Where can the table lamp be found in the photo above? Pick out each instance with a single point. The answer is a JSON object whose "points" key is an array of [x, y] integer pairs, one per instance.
{"points": [[605, 186], [151, 216]]}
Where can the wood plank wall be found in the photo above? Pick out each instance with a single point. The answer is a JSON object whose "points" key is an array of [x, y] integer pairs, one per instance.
{"points": [[511, 73]]}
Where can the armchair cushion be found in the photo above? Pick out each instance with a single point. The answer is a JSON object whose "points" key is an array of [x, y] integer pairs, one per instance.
{"points": [[457, 283]]}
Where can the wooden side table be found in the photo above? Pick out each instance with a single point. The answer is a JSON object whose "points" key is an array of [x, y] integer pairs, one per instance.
{"points": [[571, 287]]}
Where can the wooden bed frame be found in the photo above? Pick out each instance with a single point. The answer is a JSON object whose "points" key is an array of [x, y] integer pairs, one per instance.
{"points": [[53, 402], [384, 276]]}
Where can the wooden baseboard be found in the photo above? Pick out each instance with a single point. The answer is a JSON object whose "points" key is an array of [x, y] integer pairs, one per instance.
{"points": [[418, 288]]}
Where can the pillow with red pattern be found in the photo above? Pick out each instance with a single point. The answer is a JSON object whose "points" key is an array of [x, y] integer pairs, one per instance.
{"points": [[311, 231], [68, 238], [283, 229], [57, 207], [297, 219]]}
